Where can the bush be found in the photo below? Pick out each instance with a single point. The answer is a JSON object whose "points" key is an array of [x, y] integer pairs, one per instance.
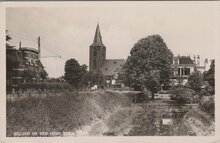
{"points": [[207, 105], [209, 89], [45, 85], [195, 81], [182, 94]]}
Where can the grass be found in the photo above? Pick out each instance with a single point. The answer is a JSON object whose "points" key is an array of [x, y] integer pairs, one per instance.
{"points": [[65, 113]]}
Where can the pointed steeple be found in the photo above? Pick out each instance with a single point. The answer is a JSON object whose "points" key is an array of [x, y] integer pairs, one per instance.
{"points": [[98, 38]]}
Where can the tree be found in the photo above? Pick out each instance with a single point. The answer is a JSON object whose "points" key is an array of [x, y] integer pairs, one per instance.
{"points": [[8, 38], [84, 68], [195, 81], [73, 72], [43, 74], [182, 94], [209, 76], [90, 78], [149, 64], [29, 73]]}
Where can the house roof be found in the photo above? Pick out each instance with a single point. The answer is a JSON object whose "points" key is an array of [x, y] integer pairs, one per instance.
{"points": [[28, 49], [112, 66], [98, 38], [185, 60]]}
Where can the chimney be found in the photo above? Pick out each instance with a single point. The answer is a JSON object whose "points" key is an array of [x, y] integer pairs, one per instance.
{"points": [[198, 60], [39, 52]]}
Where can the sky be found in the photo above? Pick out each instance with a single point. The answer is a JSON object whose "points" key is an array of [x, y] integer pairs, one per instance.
{"points": [[188, 28]]}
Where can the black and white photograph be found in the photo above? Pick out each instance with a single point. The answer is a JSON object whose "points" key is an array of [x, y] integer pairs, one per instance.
{"points": [[92, 69]]}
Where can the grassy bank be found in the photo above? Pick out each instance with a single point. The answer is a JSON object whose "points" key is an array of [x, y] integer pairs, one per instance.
{"points": [[66, 113], [196, 123]]}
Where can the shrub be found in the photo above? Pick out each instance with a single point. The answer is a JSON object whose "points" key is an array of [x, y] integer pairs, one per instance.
{"points": [[209, 89], [207, 105], [182, 94], [195, 81], [44, 85]]}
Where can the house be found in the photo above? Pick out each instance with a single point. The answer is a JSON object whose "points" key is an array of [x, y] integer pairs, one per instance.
{"points": [[15, 66], [183, 66], [23, 65], [98, 62]]}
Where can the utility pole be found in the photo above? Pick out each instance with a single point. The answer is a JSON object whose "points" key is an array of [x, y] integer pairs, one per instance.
{"points": [[19, 44]]}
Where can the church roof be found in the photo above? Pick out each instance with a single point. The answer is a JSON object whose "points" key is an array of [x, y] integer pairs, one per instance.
{"points": [[98, 38], [112, 66]]}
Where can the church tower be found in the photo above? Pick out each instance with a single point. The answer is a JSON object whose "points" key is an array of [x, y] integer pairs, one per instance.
{"points": [[97, 52]]}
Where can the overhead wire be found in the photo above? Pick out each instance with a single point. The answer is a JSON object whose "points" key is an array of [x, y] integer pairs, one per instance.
{"points": [[31, 37]]}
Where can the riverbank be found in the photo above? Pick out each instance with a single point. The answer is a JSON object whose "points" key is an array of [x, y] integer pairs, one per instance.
{"points": [[200, 123], [106, 113], [68, 112]]}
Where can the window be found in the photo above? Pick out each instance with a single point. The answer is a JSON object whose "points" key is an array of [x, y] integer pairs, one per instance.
{"points": [[179, 71], [175, 61], [106, 69], [114, 62], [187, 71], [182, 71]]}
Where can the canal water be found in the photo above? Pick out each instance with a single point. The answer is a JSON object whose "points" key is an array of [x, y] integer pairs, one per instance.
{"points": [[159, 121]]}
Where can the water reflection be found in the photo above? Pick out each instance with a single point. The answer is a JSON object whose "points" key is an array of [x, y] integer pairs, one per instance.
{"points": [[157, 121]]}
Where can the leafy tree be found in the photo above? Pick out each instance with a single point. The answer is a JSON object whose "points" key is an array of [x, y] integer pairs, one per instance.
{"points": [[100, 80], [149, 64], [84, 68], [43, 74], [8, 38], [73, 72], [209, 76], [195, 81], [90, 78], [182, 94]]}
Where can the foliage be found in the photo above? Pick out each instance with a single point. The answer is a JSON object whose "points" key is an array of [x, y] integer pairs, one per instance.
{"points": [[8, 38], [90, 79], [149, 64], [207, 104], [84, 68], [68, 112], [73, 72], [43, 74], [209, 76], [45, 86], [30, 72], [182, 94], [195, 81]]}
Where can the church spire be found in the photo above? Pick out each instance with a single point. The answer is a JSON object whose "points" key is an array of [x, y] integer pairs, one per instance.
{"points": [[98, 38]]}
